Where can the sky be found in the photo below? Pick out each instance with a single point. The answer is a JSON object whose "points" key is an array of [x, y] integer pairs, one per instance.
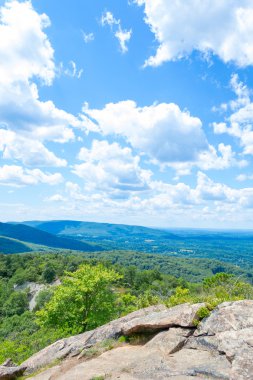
{"points": [[129, 111]]}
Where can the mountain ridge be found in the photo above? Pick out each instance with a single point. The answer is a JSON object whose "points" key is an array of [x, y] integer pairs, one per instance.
{"points": [[28, 234]]}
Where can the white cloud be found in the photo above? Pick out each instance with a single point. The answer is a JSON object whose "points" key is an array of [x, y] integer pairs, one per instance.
{"points": [[208, 190], [29, 152], [162, 131], [167, 135], [88, 37], [56, 198], [239, 123], [71, 70], [108, 19], [224, 160], [220, 159], [24, 113], [122, 35], [13, 175], [25, 50], [111, 167], [221, 27], [244, 177], [207, 202], [25, 120]]}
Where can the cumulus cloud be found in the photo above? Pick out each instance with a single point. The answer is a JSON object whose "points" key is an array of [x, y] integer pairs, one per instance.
{"points": [[26, 53], [110, 167], [167, 135], [207, 201], [122, 35], [14, 175], [220, 27], [25, 50], [209, 190], [212, 158], [162, 131], [29, 152], [239, 123]]}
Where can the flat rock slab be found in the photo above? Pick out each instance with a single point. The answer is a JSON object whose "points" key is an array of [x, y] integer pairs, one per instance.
{"points": [[183, 315], [134, 362]]}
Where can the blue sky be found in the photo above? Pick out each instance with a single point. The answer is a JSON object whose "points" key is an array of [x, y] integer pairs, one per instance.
{"points": [[136, 112]]}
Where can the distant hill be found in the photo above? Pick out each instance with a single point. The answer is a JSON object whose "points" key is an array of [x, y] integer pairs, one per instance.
{"points": [[93, 230], [8, 245], [231, 246], [26, 234]]}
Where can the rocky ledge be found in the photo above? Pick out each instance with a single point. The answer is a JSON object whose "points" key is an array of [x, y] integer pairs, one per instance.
{"points": [[220, 347]]}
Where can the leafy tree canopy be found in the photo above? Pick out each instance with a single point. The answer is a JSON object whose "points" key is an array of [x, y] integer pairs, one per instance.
{"points": [[83, 301]]}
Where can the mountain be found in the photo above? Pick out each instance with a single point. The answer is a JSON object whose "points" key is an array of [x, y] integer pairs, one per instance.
{"points": [[92, 230], [26, 234]]}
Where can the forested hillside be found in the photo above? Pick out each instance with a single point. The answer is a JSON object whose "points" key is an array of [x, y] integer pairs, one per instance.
{"points": [[26, 234], [79, 293]]}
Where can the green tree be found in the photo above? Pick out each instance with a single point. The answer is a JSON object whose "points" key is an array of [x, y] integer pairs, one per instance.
{"points": [[84, 300], [48, 275], [16, 304]]}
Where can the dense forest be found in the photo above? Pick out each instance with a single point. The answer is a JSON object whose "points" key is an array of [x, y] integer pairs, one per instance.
{"points": [[76, 292]]}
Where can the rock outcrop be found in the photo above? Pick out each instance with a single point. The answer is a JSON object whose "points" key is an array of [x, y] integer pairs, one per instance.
{"points": [[10, 371], [221, 347], [34, 289]]}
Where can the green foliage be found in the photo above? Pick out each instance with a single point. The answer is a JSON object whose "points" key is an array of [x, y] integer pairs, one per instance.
{"points": [[214, 290], [220, 279], [16, 304], [147, 299], [122, 339], [187, 269], [25, 345], [89, 298], [20, 337], [43, 297], [203, 312], [181, 295], [48, 275], [97, 288]]}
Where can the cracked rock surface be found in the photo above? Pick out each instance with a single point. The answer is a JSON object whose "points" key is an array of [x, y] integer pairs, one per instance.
{"points": [[220, 348]]}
